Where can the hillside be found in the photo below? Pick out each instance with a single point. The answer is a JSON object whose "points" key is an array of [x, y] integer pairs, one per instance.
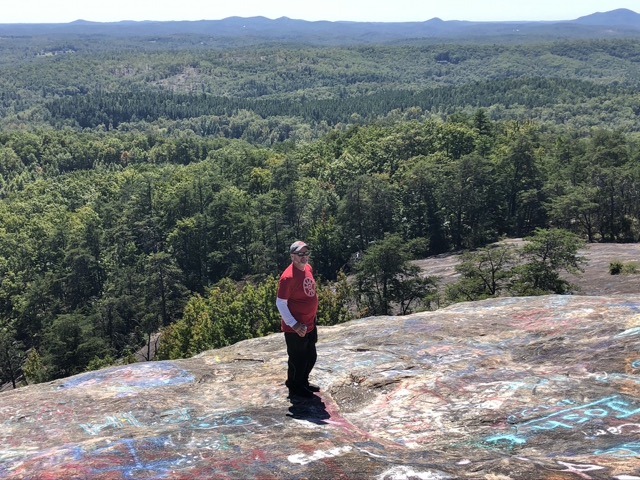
{"points": [[280, 80], [616, 23], [516, 388]]}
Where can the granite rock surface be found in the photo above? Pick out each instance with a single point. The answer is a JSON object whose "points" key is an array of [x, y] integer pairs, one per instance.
{"points": [[594, 280], [511, 388]]}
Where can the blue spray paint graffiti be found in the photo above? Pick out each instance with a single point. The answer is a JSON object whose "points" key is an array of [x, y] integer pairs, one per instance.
{"points": [[628, 333], [132, 465], [634, 307], [624, 450], [510, 439], [114, 422], [569, 418]]}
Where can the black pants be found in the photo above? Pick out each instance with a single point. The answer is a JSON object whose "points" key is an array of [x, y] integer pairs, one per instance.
{"points": [[302, 357]]}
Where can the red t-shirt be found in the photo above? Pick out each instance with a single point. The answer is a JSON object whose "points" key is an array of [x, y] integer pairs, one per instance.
{"points": [[299, 289]]}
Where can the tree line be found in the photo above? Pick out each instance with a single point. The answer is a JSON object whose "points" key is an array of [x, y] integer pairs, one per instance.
{"points": [[110, 109]]}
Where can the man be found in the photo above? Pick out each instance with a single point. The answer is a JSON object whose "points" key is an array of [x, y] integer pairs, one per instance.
{"points": [[297, 303]]}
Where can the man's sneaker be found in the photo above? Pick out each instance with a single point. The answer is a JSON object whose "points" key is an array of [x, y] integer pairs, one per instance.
{"points": [[312, 387]]}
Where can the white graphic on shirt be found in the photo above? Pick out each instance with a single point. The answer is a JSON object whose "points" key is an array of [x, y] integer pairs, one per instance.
{"points": [[309, 287]]}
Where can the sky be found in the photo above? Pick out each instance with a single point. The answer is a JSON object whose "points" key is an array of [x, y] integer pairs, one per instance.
{"points": [[63, 11]]}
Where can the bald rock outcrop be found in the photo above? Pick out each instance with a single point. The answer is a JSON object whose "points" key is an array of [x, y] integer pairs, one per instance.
{"points": [[511, 388]]}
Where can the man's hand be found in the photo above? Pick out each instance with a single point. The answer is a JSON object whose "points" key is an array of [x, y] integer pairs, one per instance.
{"points": [[300, 329]]}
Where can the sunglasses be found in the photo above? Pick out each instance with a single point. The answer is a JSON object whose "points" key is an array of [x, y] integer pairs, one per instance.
{"points": [[302, 254]]}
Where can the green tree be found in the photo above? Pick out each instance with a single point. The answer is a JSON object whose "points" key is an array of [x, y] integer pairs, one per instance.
{"points": [[420, 211], [546, 254], [607, 156], [466, 192], [11, 355], [367, 211], [69, 345], [10, 165], [259, 306], [82, 274], [576, 210], [385, 278], [486, 272], [520, 179], [222, 323], [189, 243], [34, 369], [330, 254], [177, 340], [484, 128], [455, 140], [334, 301], [215, 320], [162, 288], [232, 230]]}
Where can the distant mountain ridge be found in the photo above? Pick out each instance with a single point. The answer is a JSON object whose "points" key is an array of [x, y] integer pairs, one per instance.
{"points": [[621, 16], [616, 23]]}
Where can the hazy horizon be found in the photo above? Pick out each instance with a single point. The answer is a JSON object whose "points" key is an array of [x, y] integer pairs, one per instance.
{"points": [[68, 11]]}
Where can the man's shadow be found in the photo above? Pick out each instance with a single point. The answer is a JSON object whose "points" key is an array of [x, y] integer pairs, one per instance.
{"points": [[310, 409]]}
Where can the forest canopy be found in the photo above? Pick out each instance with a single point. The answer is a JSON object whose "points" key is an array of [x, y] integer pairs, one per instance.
{"points": [[153, 187]]}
